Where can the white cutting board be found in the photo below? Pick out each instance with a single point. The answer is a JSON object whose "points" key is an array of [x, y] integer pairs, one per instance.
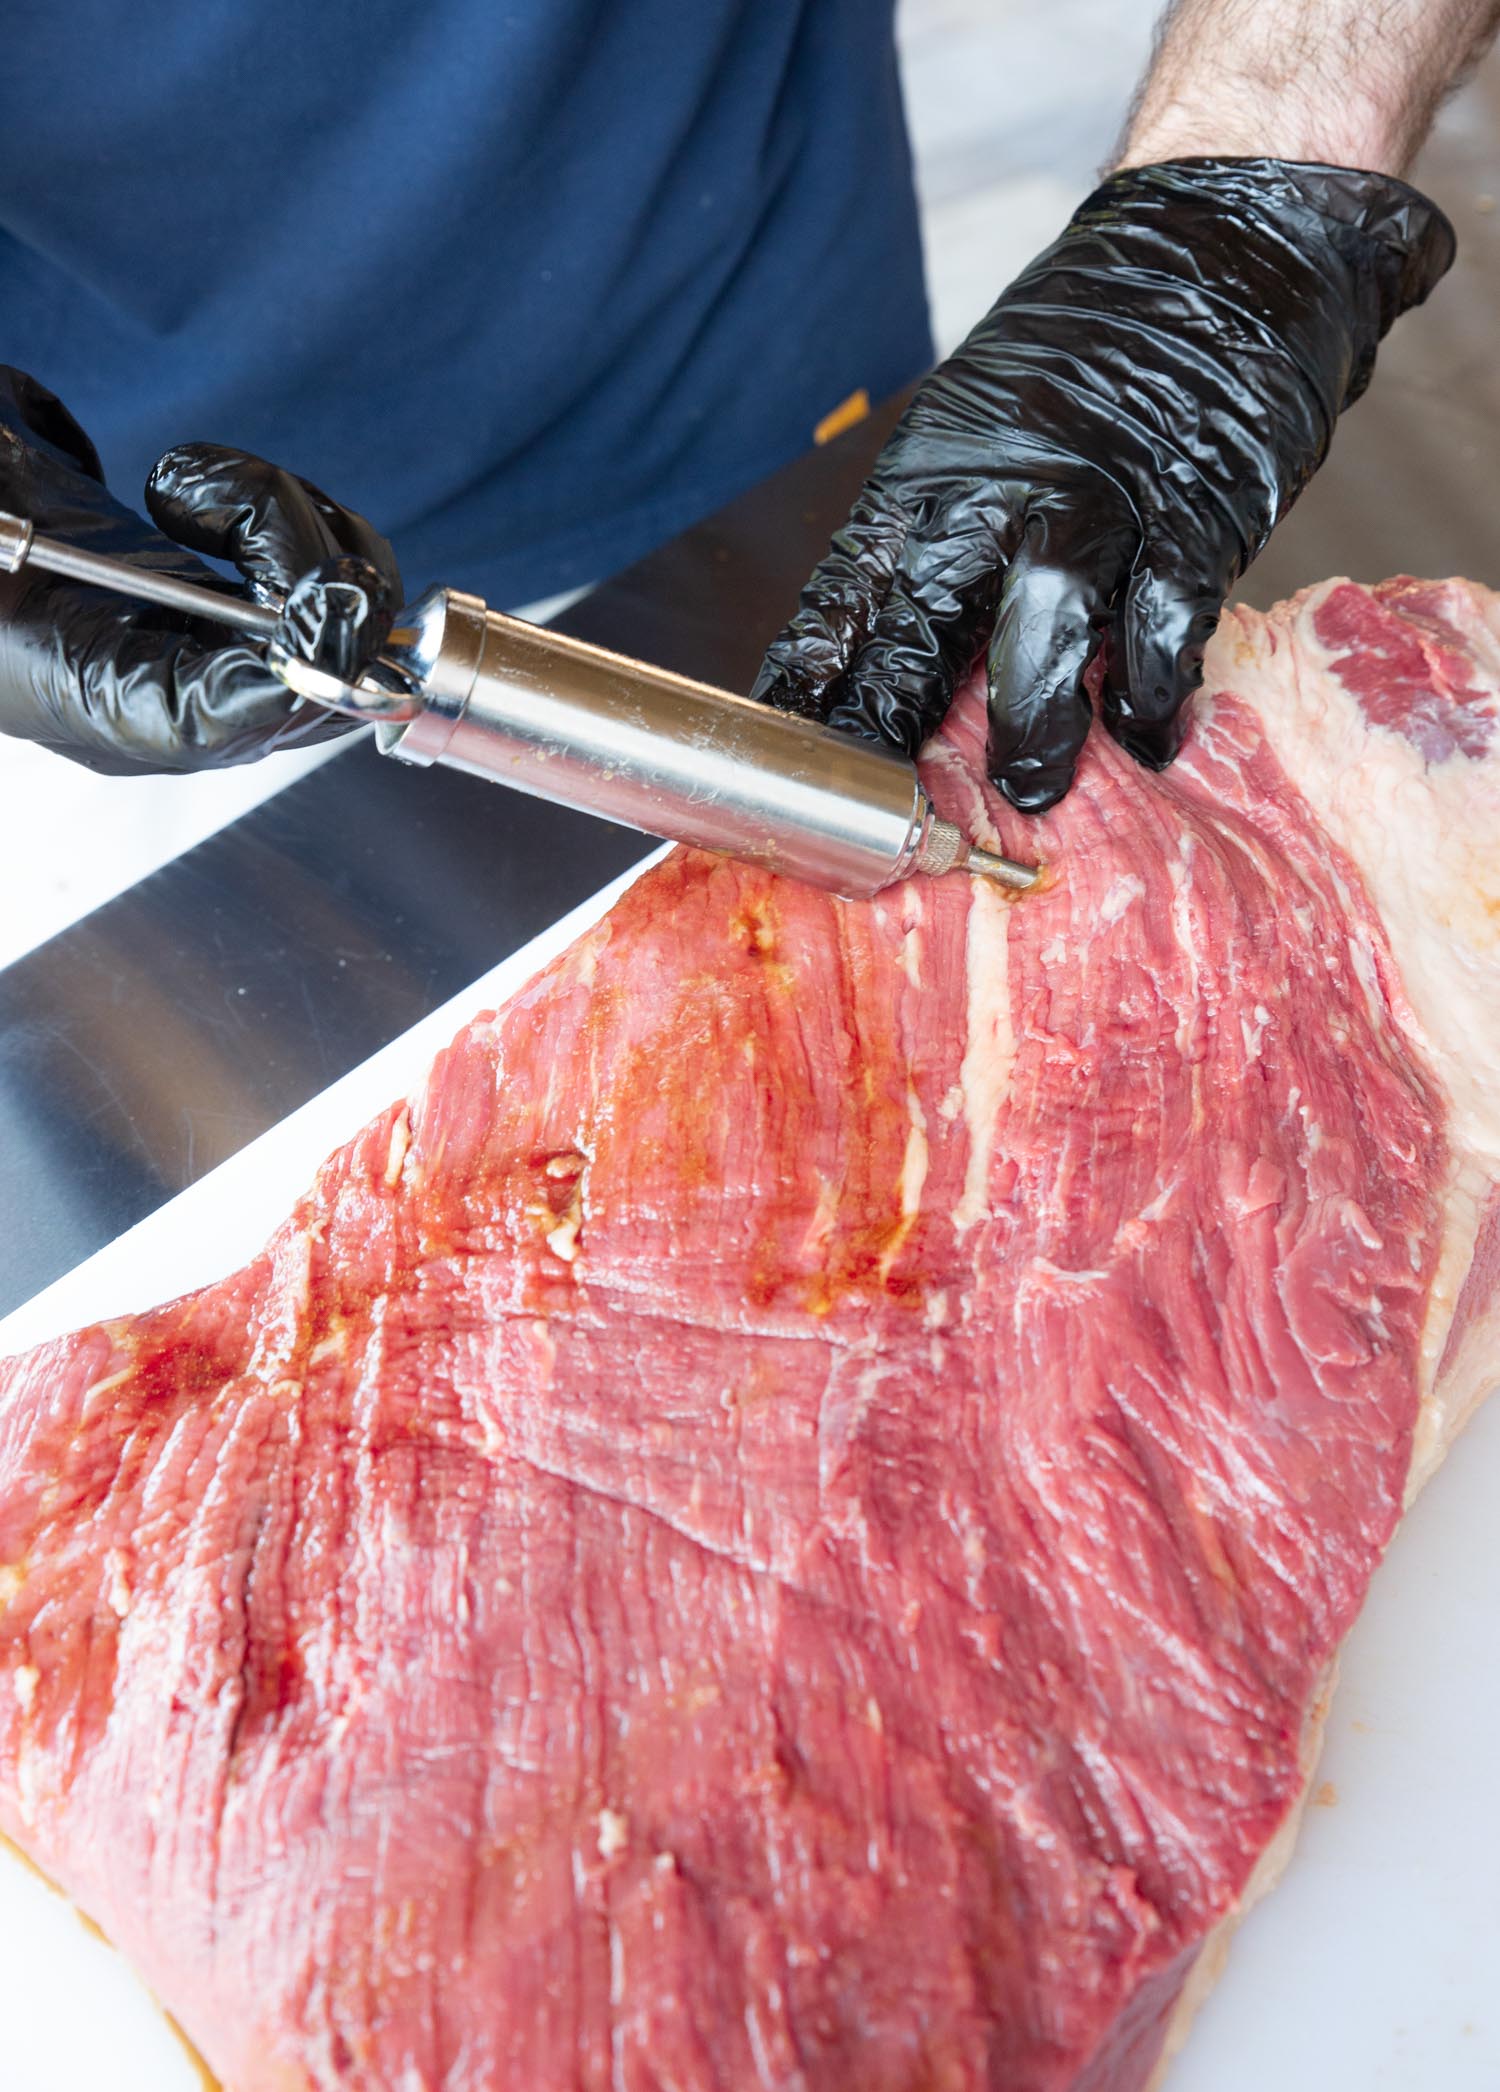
{"points": [[1374, 1967]]}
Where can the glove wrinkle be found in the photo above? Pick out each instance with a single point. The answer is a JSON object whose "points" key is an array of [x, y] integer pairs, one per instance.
{"points": [[338, 616], [804, 668], [29, 409], [1133, 418], [127, 687]]}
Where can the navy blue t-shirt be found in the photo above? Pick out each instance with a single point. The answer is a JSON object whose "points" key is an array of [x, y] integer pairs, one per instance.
{"points": [[532, 283]]}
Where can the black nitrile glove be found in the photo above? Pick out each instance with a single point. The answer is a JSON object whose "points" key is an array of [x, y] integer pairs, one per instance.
{"points": [[128, 687], [1103, 457]]}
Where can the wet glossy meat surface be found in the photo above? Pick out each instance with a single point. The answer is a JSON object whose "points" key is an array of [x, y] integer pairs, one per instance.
{"points": [[778, 1527]]}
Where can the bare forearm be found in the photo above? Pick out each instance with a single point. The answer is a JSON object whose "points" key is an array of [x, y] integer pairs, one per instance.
{"points": [[1355, 82]]}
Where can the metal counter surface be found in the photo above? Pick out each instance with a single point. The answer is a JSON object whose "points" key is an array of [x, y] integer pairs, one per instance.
{"points": [[175, 1026], [156, 1037], [160, 1034]]}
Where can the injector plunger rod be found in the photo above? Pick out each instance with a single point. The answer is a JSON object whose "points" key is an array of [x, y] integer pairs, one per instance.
{"points": [[470, 687]]}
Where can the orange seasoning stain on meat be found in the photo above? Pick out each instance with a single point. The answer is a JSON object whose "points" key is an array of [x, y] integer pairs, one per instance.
{"points": [[861, 1266], [756, 924], [184, 1368], [557, 1209], [869, 1218], [742, 996], [834, 1224]]}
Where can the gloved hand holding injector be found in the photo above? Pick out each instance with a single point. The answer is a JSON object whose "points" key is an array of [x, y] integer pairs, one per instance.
{"points": [[128, 689]]}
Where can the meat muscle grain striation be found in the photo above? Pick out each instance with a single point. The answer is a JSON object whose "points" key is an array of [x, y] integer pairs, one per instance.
{"points": [[785, 1522]]}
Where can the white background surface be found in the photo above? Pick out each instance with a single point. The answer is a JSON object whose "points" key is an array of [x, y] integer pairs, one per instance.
{"points": [[1375, 1967]]}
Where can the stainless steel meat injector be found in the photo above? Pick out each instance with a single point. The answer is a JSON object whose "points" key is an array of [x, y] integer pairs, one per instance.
{"points": [[460, 684]]}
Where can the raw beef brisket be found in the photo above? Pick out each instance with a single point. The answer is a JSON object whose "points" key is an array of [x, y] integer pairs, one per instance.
{"points": [[784, 1523]]}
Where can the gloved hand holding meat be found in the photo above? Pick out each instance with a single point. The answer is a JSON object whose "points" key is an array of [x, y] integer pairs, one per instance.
{"points": [[788, 1517], [1103, 457], [126, 688]]}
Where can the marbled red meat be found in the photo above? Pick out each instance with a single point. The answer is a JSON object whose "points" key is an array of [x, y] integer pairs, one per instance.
{"points": [[784, 1522]]}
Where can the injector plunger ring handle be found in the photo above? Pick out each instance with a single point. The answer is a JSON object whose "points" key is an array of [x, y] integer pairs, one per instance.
{"points": [[370, 700]]}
